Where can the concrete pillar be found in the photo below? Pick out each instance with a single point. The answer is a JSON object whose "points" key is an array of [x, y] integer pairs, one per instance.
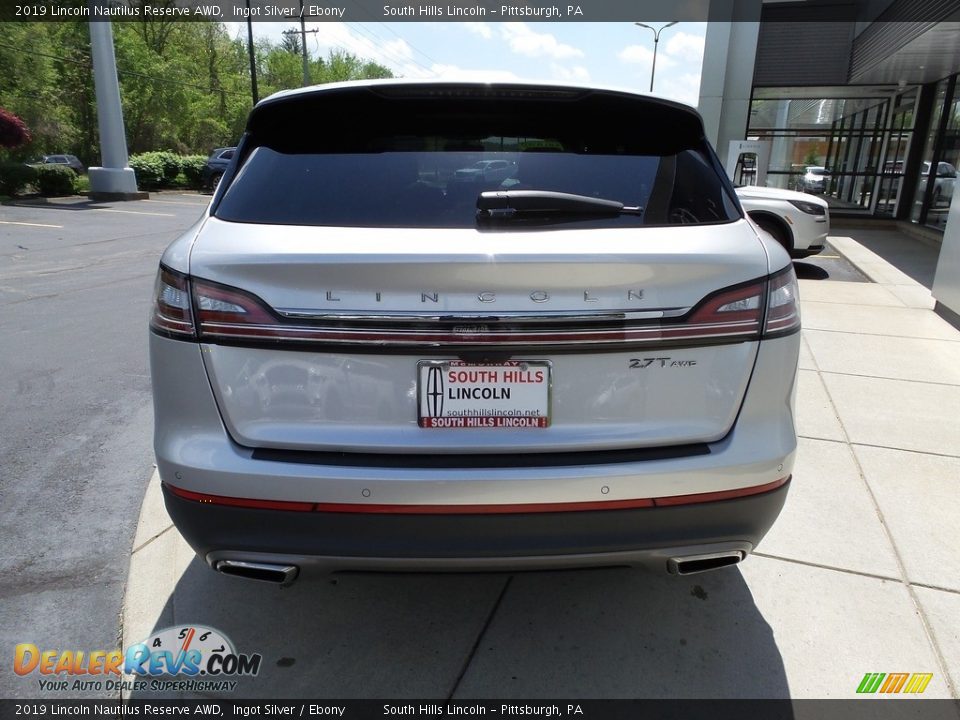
{"points": [[726, 79], [114, 180]]}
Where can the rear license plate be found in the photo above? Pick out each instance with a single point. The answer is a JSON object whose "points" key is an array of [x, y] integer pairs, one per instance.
{"points": [[457, 394]]}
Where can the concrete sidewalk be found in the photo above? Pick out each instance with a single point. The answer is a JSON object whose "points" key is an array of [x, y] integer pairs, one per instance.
{"points": [[860, 574]]}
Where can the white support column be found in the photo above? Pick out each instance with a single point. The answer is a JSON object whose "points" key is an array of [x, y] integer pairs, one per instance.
{"points": [[726, 80], [946, 282], [114, 180]]}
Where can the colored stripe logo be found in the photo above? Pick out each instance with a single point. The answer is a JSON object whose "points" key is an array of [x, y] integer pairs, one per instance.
{"points": [[890, 683]]}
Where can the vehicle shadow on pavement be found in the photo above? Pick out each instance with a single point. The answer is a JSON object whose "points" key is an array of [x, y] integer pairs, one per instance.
{"points": [[611, 633], [808, 271]]}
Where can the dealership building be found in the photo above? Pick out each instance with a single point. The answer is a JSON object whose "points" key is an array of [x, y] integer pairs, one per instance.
{"points": [[868, 90]]}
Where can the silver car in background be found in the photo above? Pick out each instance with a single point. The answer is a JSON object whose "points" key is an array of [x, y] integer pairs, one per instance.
{"points": [[815, 179], [361, 363]]}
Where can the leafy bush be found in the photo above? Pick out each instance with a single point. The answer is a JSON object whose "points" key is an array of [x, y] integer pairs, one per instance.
{"points": [[157, 169], [192, 166], [171, 166], [56, 180], [14, 177], [149, 170]]}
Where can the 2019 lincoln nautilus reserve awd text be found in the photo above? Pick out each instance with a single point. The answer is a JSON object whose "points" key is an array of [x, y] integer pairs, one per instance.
{"points": [[464, 326]]}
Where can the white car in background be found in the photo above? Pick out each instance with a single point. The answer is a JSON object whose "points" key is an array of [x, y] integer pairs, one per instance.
{"points": [[798, 221]]}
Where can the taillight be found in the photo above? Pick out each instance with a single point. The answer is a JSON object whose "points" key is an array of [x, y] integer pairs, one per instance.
{"points": [[740, 309], [783, 304], [218, 306], [733, 311], [200, 309], [171, 304]]}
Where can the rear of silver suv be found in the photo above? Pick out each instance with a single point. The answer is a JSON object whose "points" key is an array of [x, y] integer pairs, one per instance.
{"points": [[364, 360]]}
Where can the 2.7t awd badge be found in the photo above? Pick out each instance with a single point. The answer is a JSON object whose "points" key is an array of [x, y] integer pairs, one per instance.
{"points": [[641, 363]]}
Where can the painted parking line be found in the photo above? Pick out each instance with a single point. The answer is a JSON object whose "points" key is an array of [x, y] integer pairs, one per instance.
{"points": [[174, 202], [11, 222], [133, 212]]}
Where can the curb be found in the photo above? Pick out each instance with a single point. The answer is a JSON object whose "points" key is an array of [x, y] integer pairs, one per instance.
{"points": [[153, 575]]}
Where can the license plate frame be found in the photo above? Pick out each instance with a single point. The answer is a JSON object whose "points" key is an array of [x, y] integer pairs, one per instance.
{"points": [[528, 405]]}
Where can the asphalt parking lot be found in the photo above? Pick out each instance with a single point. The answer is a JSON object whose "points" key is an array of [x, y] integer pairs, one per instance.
{"points": [[859, 575], [75, 412]]}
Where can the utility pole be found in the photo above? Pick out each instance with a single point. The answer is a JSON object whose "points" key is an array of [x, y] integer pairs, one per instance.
{"points": [[253, 58], [303, 44], [114, 180], [656, 40]]}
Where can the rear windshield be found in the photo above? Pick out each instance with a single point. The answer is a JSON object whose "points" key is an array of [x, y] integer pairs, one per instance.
{"points": [[431, 179]]}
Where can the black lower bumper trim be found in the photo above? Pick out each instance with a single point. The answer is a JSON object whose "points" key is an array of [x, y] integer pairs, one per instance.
{"points": [[213, 528]]}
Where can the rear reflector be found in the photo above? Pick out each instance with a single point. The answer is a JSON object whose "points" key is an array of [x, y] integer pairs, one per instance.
{"points": [[241, 502], [373, 509]]}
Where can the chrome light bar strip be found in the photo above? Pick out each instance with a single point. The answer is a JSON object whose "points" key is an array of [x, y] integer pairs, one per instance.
{"points": [[558, 316], [439, 338]]}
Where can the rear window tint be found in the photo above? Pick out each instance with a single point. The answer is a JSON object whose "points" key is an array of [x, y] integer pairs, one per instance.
{"points": [[353, 171]]}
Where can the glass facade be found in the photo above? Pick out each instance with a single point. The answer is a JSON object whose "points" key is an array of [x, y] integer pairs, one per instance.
{"points": [[854, 150], [941, 153], [850, 150]]}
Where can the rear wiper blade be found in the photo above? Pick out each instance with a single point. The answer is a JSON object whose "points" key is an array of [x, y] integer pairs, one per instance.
{"points": [[506, 204]]}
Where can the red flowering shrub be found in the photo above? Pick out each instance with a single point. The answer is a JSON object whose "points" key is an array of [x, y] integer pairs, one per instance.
{"points": [[13, 132]]}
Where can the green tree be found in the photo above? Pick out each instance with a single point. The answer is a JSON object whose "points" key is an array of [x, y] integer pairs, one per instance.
{"points": [[185, 86], [28, 87], [341, 65], [813, 155]]}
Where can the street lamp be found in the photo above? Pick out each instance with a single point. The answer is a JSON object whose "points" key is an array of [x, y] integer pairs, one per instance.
{"points": [[656, 39]]}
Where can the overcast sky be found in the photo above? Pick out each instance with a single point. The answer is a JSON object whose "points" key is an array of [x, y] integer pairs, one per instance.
{"points": [[617, 54]]}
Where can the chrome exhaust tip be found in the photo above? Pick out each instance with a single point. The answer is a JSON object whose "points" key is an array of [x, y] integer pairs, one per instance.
{"points": [[264, 572], [691, 564]]}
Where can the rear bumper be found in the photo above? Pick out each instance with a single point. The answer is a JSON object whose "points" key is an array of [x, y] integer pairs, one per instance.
{"points": [[333, 541], [195, 453]]}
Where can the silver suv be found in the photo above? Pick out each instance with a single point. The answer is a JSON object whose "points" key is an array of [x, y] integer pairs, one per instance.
{"points": [[360, 362]]}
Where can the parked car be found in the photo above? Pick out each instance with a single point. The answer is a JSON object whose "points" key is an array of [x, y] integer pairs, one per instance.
{"points": [[217, 164], [354, 369], [796, 220], [816, 179], [942, 183], [71, 161], [490, 170]]}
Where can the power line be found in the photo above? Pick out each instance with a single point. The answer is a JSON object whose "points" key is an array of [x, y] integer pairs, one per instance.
{"points": [[412, 46], [363, 6], [391, 55], [370, 31], [381, 52]]}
